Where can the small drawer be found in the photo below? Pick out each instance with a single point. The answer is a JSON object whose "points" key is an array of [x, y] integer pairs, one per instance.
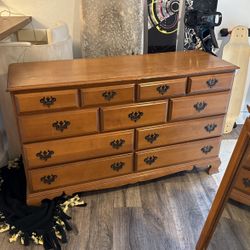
{"points": [[177, 132], [176, 154], [80, 172], [243, 181], [58, 125], [78, 148], [207, 83], [136, 115], [199, 105], [108, 95], [51, 100], [161, 89]]}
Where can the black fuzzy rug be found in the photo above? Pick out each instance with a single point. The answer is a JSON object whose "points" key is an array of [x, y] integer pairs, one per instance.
{"points": [[46, 224]]}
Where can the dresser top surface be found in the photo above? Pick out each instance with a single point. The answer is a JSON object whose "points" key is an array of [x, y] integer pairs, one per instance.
{"points": [[120, 69]]}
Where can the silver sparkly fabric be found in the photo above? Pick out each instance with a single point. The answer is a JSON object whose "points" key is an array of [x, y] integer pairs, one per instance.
{"points": [[111, 27]]}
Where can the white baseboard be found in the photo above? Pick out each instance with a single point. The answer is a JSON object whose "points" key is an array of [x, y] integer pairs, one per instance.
{"points": [[242, 117]]}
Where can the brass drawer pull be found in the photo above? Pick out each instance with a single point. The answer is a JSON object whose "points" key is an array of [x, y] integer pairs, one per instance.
{"points": [[162, 89], [135, 116], [151, 137], [199, 106], [117, 143], [150, 159], [246, 182], [48, 101], [117, 166], [108, 95], [61, 125], [207, 149], [48, 179], [212, 82], [210, 127], [45, 155]]}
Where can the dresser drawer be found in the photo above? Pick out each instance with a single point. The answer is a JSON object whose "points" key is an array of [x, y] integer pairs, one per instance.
{"points": [[161, 89], [47, 100], [176, 154], [210, 82], [177, 132], [136, 115], [78, 148], [58, 125], [108, 95], [80, 172], [199, 105], [243, 181]]}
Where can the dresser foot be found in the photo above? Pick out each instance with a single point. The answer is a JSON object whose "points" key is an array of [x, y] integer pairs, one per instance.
{"points": [[213, 167]]}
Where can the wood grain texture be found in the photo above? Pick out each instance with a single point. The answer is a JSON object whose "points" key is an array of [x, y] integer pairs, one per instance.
{"points": [[51, 126], [184, 107], [11, 24], [78, 148], [87, 72], [121, 117], [210, 83]]}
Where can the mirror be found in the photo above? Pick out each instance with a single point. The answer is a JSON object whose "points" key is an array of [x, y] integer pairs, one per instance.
{"points": [[228, 222]]}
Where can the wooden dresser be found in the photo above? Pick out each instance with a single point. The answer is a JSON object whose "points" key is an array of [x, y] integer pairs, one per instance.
{"points": [[99, 123]]}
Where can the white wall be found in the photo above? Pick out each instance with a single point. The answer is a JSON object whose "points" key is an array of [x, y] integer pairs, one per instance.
{"points": [[47, 12]]}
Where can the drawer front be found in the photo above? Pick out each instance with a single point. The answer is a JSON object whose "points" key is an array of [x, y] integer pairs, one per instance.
{"points": [[176, 154], [58, 125], [243, 181], [210, 82], [108, 95], [162, 89], [130, 116], [199, 105], [47, 100], [79, 172], [177, 132], [78, 148]]}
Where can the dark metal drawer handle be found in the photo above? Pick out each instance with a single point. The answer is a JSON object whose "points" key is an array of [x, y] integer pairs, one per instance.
{"points": [[45, 155], [199, 106], [150, 160], [246, 182], [61, 125], [48, 101], [151, 137], [117, 143], [108, 95], [48, 179], [117, 166], [135, 116], [207, 149], [210, 127], [212, 82], [162, 89]]}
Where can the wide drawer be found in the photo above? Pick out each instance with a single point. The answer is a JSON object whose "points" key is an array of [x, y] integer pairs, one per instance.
{"points": [[175, 154], [108, 95], [177, 132], [78, 148], [58, 125], [207, 83], [136, 115], [80, 172], [199, 106], [161, 89], [243, 181], [50, 100]]}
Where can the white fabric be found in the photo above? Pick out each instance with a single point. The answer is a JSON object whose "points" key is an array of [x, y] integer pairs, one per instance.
{"points": [[18, 52]]}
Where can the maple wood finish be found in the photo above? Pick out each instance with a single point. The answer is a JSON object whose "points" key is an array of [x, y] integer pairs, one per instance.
{"points": [[232, 186], [105, 97]]}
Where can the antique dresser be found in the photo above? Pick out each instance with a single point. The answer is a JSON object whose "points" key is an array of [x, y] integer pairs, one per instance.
{"points": [[99, 123]]}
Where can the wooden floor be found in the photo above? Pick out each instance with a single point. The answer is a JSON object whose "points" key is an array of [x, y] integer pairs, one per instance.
{"points": [[167, 213]]}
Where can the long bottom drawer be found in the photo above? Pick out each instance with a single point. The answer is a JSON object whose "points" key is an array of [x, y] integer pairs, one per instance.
{"points": [[176, 154], [79, 172]]}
